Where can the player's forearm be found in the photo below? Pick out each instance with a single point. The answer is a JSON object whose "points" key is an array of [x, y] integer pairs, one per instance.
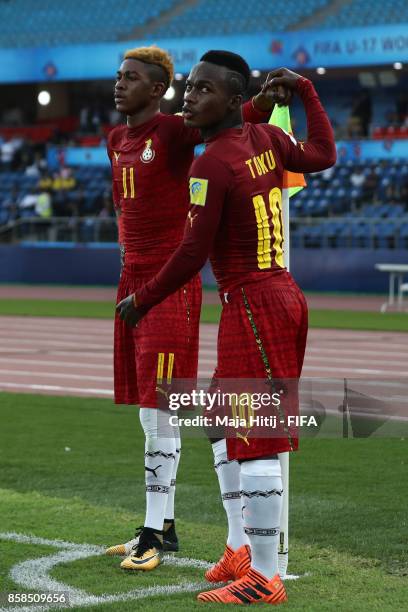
{"points": [[252, 114], [319, 152], [183, 265]]}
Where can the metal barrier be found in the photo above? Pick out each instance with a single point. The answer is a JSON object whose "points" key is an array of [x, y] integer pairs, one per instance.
{"points": [[60, 229], [306, 232]]}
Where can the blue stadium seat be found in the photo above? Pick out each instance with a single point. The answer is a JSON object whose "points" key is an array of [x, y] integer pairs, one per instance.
{"points": [[361, 235], [364, 13], [211, 17], [47, 23]]}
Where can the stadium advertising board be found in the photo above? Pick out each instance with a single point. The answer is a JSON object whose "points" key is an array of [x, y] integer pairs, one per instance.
{"points": [[301, 49]]}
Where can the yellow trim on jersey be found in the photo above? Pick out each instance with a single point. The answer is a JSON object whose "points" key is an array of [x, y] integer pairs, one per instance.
{"points": [[264, 231], [170, 367], [132, 184], [198, 191], [124, 182], [275, 204], [160, 367], [264, 234]]}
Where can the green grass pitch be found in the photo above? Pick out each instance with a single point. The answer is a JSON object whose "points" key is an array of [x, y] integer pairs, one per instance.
{"points": [[336, 319], [348, 516]]}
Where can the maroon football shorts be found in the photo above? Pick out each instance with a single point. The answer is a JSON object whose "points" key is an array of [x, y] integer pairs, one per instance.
{"points": [[163, 347], [264, 328]]}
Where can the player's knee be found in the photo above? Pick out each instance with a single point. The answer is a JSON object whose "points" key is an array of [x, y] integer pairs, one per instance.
{"points": [[157, 431], [262, 467]]}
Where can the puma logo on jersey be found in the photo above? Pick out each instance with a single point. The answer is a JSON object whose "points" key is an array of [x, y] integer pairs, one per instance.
{"points": [[191, 218], [117, 155]]}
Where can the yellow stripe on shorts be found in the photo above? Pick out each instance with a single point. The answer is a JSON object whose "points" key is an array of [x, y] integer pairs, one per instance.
{"points": [[170, 367], [160, 367]]}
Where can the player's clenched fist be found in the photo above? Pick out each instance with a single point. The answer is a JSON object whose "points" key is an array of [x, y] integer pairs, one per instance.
{"points": [[128, 311], [282, 83]]}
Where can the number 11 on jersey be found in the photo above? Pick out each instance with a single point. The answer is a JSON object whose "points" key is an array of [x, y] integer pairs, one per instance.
{"points": [[128, 181]]}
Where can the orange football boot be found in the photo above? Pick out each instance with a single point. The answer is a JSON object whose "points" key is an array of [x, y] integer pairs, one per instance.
{"points": [[252, 588], [231, 566]]}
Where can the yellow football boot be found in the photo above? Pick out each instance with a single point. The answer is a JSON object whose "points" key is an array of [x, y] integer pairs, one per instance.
{"points": [[147, 554], [170, 541]]}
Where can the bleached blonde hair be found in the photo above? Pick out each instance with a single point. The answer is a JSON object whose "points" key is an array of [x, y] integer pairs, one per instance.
{"points": [[153, 55]]}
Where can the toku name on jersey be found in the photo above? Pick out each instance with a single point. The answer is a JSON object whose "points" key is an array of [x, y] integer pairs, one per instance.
{"points": [[261, 164]]}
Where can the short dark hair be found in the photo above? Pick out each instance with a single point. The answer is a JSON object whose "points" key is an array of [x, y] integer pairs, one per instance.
{"points": [[239, 69]]}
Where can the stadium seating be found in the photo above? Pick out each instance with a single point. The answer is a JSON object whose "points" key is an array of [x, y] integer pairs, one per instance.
{"points": [[364, 13], [47, 22], [211, 17], [330, 212]]}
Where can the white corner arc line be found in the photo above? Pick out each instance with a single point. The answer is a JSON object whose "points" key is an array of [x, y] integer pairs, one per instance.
{"points": [[33, 574]]}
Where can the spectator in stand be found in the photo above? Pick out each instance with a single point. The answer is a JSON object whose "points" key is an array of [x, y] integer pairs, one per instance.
{"points": [[63, 186], [361, 112], [46, 180], [114, 117], [370, 186], [11, 205], [107, 210], [327, 174], [64, 180], [43, 210], [43, 206], [8, 152], [84, 119], [36, 167], [28, 203], [401, 106], [96, 120], [13, 213], [403, 198], [25, 154], [357, 178]]}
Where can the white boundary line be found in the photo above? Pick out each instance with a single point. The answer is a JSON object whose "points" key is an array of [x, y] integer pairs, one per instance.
{"points": [[57, 388], [33, 575], [46, 374]]}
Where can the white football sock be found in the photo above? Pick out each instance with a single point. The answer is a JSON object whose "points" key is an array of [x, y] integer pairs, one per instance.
{"points": [[169, 513], [228, 478], [261, 490], [160, 455]]}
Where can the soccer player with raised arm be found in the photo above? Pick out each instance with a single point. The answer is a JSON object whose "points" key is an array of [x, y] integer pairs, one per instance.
{"points": [[235, 218], [150, 158]]}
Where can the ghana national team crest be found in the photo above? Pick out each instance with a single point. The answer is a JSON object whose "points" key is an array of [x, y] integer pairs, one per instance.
{"points": [[148, 153]]}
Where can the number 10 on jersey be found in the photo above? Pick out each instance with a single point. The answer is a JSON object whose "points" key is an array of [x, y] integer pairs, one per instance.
{"points": [[264, 228]]}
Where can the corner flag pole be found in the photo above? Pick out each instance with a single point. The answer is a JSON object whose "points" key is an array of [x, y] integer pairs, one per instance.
{"points": [[292, 183]]}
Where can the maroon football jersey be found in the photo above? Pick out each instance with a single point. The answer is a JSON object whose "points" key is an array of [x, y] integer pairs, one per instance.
{"points": [[150, 165], [235, 196]]}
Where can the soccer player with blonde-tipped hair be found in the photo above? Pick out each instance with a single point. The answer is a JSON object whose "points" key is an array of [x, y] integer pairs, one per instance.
{"points": [[150, 157], [235, 195]]}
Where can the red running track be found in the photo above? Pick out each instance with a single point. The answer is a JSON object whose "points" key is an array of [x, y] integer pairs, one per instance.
{"points": [[74, 357]]}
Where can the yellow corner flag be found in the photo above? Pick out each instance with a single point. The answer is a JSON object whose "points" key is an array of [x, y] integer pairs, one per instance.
{"points": [[292, 181]]}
